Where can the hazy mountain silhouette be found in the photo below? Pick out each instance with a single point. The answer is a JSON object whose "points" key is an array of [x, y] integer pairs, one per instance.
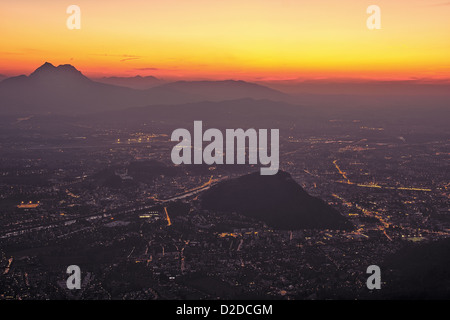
{"points": [[253, 113], [226, 90], [49, 73], [137, 82], [64, 89], [277, 200], [241, 112], [412, 87]]}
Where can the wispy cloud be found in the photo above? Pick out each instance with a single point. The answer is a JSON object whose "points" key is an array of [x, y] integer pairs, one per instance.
{"points": [[147, 69], [124, 57], [130, 58]]}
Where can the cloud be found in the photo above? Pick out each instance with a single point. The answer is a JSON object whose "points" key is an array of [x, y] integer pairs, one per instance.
{"points": [[124, 57], [131, 58]]}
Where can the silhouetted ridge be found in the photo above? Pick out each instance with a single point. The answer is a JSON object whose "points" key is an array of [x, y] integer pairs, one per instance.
{"points": [[48, 71], [65, 90], [277, 200], [226, 89], [136, 82], [62, 89]]}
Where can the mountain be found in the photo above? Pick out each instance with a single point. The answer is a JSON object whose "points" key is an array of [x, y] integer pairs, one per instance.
{"points": [[413, 87], [62, 89], [54, 75], [276, 200], [137, 82], [65, 90], [246, 113], [227, 90]]}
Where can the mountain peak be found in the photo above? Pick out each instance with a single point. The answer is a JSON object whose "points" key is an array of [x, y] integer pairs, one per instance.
{"points": [[48, 70], [67, 67], [45, 67]]}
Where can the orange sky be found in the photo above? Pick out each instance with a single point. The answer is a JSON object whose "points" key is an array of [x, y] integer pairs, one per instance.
{"points": [[239, 39]]}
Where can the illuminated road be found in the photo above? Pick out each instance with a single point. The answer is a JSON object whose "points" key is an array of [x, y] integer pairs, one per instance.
{"points": [[384, 224], [169, 223], [343, 174], [373, 185], [8, 267], [193, 191], [107, 215]]}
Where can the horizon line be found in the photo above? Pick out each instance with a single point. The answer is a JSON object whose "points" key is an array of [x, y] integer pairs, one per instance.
{"points": [[268, 79]]}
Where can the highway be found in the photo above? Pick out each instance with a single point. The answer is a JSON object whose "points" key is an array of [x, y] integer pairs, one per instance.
{"points": [[116, 212]]}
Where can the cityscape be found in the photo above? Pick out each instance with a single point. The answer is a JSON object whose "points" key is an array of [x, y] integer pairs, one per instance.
{"points": [[206, 153], [111, 202]]}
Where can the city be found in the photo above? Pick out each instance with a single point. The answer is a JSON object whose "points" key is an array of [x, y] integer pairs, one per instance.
{"points": [[111, 202], [223, 157]]}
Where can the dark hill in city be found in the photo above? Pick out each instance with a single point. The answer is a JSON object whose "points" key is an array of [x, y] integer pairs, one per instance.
{"points": [[418, 271], [276, 200]]}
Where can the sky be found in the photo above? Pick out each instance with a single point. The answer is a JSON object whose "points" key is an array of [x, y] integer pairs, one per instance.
{"points": [[230, 39]]}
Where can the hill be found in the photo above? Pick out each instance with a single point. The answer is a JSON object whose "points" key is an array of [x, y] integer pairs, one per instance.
{"points": [[276, 200], [418, 271]]}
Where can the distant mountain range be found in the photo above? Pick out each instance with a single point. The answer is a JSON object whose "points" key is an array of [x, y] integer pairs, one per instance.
{"points": [[137, 82], [245, 112], [65, 90], [276, 200], [226, 90]]}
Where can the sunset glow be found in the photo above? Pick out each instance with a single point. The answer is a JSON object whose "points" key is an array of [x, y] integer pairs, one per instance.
{"points": [[249, 40]]}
